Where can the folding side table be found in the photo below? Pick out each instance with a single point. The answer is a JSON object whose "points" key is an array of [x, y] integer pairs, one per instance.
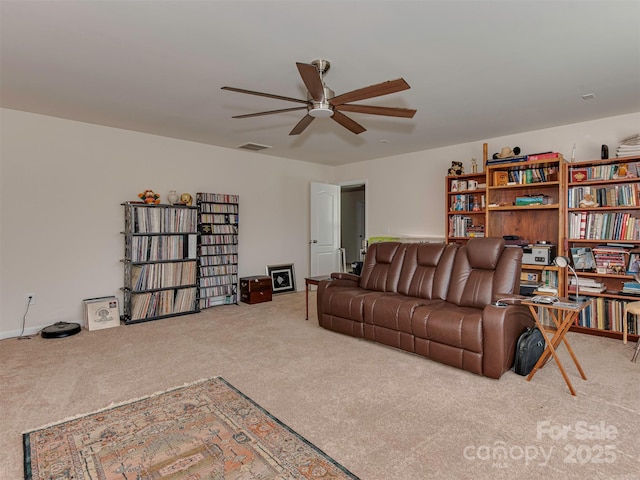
{"points": [[564, 313]]}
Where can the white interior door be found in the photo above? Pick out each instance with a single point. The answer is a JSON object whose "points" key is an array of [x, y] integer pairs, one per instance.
{"points": [[325, 228]]}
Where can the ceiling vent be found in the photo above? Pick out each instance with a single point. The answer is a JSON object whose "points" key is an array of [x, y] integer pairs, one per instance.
{"points": [[254, 147]]}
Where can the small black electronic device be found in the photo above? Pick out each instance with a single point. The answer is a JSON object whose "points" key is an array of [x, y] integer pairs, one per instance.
{"points": [[60, 330]]}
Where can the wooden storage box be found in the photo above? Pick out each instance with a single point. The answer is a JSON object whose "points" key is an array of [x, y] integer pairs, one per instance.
{"points": [[256, 289]]}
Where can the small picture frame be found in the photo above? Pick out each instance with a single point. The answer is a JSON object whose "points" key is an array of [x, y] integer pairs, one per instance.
{"points": [[529, 277], [634, 263], [583, 259], [282, 278]]}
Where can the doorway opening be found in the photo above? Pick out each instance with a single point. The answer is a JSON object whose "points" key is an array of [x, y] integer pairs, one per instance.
{"points": [[353, 222]]}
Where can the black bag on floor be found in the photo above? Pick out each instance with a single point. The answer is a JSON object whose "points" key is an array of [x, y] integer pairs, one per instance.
{"points": [[528, 350]]}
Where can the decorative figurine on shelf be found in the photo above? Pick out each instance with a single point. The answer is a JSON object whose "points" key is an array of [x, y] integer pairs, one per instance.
{"points": [[172, 197], [474, 165], [148, 196], [588, 201], [456, 168], [185, 199], [624, 172]]}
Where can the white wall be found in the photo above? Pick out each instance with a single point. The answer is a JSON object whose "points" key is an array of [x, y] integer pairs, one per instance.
{"points": [[62, 183], [61, 186], [405, 193]]}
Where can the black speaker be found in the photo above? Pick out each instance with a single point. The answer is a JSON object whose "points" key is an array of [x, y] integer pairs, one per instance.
{"points": [[604, 152]]}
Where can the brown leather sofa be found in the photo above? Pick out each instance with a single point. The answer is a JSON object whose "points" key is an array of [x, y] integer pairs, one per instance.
{"points": [[434, 300]]}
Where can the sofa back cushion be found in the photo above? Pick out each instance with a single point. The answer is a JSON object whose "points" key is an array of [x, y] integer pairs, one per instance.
{"points": [[484, 267], [381, 267], [426, 270]]}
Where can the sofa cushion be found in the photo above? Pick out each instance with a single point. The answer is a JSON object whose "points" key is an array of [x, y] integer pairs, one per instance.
{"points": [[345, 302], [426, 270], [381, 267], [393, 310], [484, 267], [459, 327]]}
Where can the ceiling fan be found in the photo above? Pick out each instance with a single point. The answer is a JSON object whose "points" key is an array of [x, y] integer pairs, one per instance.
{"points": [[322, 102]]}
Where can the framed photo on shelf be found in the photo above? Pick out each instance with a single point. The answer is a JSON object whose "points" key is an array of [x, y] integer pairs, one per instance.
{"points": [[582, 258], [282, 278], [634, 263]]}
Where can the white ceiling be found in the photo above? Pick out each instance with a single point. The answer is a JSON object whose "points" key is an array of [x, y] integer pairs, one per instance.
{"points": [[477, 69]]}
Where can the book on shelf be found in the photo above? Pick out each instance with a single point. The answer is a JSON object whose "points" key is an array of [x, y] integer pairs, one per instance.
{"points": [[544, 289], [607, 314], [607, 171], [586, 282], [544, 156], [497, 161], [603, 226], [610, 259], [500, 178], [621, 195], [579, 175], [587, 285], [631, 287], [588, 289], [526, 158]]}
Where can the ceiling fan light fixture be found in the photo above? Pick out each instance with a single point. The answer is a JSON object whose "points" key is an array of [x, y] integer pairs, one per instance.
{"points": [[321, 111]]}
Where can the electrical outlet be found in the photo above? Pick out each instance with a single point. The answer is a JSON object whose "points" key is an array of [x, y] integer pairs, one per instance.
{"points": [[30, 299]]}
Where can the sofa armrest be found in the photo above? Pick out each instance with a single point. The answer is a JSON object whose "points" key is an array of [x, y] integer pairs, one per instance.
{"points": [[338, 279], [509, 298], [501, 329], [345, 276]]}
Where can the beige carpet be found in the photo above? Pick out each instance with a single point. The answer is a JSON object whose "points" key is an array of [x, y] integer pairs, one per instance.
{"points": [[382, 413]]}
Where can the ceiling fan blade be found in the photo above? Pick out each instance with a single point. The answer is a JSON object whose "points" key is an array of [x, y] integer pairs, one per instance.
{"points": [[302, 124], [388, 111], [282, 110], [377, 90], [348, 123], [312, 80], [268, 95]]}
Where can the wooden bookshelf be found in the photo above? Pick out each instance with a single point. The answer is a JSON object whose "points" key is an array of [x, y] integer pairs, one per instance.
{"points": [[541, 183], [614, 219], [465, 207]]}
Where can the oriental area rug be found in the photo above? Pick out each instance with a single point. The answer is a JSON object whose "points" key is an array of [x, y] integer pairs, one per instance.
{"points": [[205, 430]]}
